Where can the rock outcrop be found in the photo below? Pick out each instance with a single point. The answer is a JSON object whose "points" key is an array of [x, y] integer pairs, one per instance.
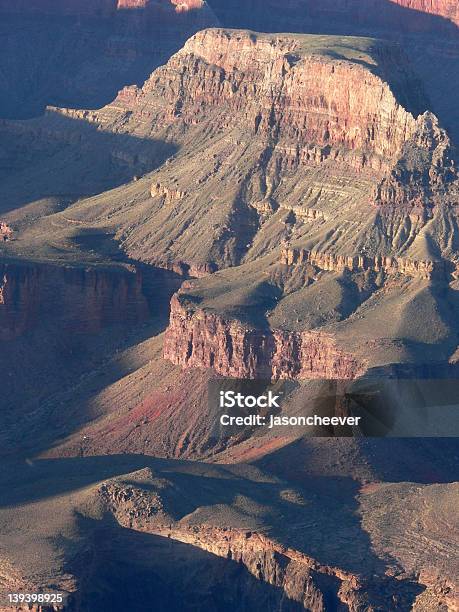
{"points": [[424, 173], [320, 108], [206, 340], [6, 233], [169, 194], [426, 270], [76, 300]]}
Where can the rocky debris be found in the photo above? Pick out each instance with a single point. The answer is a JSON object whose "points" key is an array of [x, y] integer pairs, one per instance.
{"points": [[207, 340], [170, 195], [426, 270], [423, 176], [6, 233]]}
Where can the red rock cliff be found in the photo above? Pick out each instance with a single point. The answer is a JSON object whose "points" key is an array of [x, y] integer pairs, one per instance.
{"points": [[319, 107], [82, 300], [204, 339]]}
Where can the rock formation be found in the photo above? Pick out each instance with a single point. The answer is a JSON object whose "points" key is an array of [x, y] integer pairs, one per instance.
{"points": [[427, 270], [205, 340], [279, 87], [78, 300], [291, 106], [6, 233], [191, 527]]}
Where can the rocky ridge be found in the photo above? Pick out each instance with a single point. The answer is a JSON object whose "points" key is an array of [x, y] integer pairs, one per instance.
{"points": [[426, 270], [238, 517], [295, 92], [288, 108]]}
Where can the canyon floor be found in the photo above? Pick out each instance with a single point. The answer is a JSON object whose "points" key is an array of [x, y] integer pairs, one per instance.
{"points": [[198, 193]]}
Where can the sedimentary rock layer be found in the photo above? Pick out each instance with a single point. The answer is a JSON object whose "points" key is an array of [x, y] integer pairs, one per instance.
{"points": [[79, 300], [204, 339], [427, 270], [283, 86]]}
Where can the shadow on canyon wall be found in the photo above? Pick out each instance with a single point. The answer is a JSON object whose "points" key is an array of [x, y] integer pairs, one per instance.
{"points": [[330, 16], [287, 521], [82, 62], [52, 373], [61, 158], [133, 570]]}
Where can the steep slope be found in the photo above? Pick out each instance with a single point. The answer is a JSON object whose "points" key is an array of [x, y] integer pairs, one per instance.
{"points": [[270, 120], [308, 163], [427, 30], [273, 533]]}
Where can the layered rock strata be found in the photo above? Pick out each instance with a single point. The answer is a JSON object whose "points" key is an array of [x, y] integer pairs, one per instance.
{"points": [[207, 340], [278, 86], [78, 300], [426, 270]]}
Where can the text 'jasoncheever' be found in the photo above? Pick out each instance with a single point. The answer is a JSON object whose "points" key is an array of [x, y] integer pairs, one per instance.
{"points": [[231, 399]]}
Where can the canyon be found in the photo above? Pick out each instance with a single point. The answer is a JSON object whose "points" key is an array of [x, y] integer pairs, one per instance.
{"points": [[134, 497], [185, 205], [327, 195]]}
